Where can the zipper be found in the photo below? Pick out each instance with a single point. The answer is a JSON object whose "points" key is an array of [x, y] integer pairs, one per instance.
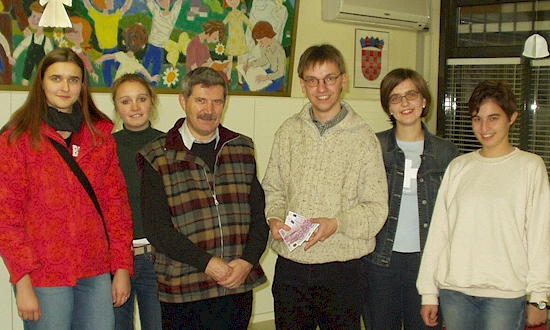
{"points": [[217, 203]]}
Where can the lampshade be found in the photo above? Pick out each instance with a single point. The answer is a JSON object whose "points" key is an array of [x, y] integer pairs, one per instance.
{"points": [[536, 47], [55, 14]]}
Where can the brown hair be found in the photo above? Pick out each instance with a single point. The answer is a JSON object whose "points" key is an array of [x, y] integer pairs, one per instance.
{"points": [[261, 30], [498, 91], [319, 54], [86, 28], [32, 113], [36, 7], [135, 37], [394, 78], [214, 25]]}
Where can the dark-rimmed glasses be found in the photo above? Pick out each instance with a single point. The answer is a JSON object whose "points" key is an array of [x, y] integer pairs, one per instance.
{"points": [[410, 95], [314, 82]]}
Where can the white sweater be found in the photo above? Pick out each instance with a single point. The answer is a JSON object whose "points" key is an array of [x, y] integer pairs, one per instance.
{"points": [[337, 175], [489, 235]]}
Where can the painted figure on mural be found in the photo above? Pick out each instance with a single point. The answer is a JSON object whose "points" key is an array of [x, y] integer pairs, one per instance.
{"points": [[198, 53], [37, 44], [236, 19], [106, 21], [79, 37], [163, 22], [273, 58], [6, 48], [135, 38], [272, 11], [7, 7]]}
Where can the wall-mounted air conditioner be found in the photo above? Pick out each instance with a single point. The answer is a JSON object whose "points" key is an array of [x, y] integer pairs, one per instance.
{"points": [[409, 14]]}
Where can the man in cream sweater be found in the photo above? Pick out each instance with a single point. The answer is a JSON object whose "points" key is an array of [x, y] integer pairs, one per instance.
{"points": [[326, 164]]}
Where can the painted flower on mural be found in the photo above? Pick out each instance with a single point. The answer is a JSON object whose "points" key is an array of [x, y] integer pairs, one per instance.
{"points": [[220, 49], [170, 77], [63, 43], [58, 35]]}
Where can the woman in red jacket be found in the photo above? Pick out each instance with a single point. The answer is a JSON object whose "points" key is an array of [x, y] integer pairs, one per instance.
{"points": [[60, 252]]}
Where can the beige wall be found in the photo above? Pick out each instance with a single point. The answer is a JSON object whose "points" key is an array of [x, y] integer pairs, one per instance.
{"points": [[259, 117]]}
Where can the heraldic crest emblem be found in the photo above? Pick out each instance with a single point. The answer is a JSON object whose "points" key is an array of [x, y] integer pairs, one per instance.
{"points": [[371, 57]]}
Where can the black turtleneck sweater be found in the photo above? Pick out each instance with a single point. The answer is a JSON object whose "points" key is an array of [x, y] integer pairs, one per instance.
{"points": [[128, 144]]}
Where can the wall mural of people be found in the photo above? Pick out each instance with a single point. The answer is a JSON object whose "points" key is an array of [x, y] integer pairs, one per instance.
{"points": [[174, 32]]}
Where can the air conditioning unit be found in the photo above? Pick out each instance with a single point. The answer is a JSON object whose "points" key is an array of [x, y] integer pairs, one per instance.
{"points": [[408, 14]]}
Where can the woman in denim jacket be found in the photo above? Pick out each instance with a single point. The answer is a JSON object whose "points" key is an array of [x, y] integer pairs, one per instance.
{"points": [[415, 162]]}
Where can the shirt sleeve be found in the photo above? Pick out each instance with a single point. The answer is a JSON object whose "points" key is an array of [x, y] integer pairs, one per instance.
{"points": [[537, 230], [113, 197], [274, 182], [17, 252], [426, 282], [258, 231], [372, 196]]}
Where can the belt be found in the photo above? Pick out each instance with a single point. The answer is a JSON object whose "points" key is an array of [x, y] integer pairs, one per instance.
{"points": [[142, 249]]}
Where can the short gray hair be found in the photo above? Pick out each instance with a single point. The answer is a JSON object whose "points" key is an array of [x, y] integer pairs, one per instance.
{"points": [[204, 76]]}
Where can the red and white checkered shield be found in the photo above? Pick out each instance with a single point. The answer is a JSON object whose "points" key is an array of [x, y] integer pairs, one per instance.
{"points": [[371, 62], [371, 56]]}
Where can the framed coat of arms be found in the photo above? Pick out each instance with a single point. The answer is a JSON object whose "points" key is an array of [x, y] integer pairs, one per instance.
{"points": [[371, 58]]}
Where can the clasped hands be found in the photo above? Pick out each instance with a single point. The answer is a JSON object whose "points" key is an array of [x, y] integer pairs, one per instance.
{"points": [[228, 274], [327, 227]]}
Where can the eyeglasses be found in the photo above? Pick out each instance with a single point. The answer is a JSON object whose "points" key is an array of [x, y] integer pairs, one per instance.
{"points": [[410, 95], [314, 82]]}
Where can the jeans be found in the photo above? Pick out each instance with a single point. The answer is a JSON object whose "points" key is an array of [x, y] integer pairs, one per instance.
{"points": [[108, 66], [463, 312], [86, 306], [328, 295], [144, 289], [391, 298], [231, 312], [154, 55]]}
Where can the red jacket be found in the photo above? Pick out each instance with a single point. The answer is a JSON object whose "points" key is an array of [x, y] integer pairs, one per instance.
{"points": [[49, 227]]}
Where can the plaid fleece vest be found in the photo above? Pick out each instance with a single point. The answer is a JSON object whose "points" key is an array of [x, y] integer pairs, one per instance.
{"points": [[221, 230]]}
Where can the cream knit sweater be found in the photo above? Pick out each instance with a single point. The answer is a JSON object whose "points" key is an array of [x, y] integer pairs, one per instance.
{"points": [[337, 175], [489, 235]]}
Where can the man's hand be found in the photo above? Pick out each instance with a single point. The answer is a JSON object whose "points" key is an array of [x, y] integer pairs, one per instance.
{"points": [[429, 314], [275, 225], [327, 227], [535, 316], [28, 306], [120, 288], [241, 268], [218, 269]]}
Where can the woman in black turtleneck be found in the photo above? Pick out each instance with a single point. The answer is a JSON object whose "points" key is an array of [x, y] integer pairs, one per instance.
{"points": [[135, 101]]}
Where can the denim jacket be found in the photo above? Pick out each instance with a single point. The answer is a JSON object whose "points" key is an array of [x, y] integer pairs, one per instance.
{"points": [[437, 154]]}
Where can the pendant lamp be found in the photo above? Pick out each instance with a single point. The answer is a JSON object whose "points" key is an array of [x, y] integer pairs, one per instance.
{"points": [[536, 45]]}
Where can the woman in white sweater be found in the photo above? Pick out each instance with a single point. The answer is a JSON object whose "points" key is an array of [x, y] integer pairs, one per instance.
{"points": [[488, 245]]}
